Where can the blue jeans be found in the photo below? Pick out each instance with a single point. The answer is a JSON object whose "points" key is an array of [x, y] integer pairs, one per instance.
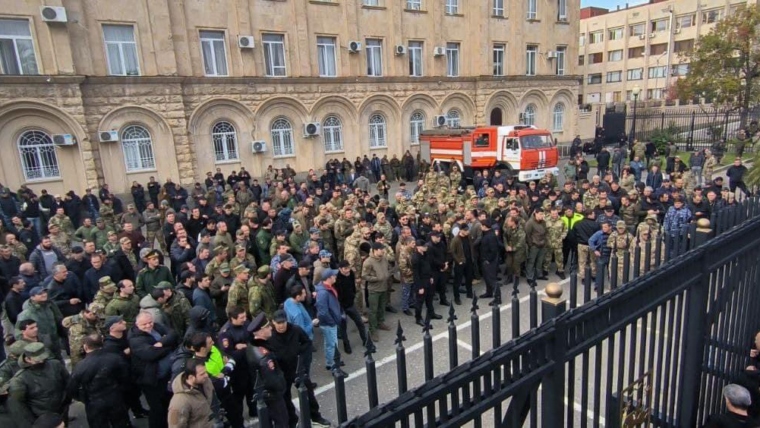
{"points": [[330, 335]]}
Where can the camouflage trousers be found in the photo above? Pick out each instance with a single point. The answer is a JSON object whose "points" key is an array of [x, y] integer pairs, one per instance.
{"points": [[151, 236], [586, 257], [558, 259], [359, 299]]}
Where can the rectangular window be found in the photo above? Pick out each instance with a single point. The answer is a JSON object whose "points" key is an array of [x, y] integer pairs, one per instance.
{"points": [[596, 37], [658, 49], [16, 48], [562, 10], [712, 16], [582, 39], [655, 94], [274, 55], [660, 25], [657, 72], [374, 57], [616, 55], [371, 2], [636, 73], [634, 53], [595, 58], [214, 53], [594, 79], [581, 60], [684, 46], [498, 59], [530, 60], [616, 97], [414, 4], [636, 29], [686, 21], [614, 76], [452, 7], [532, 12], [326, 57], [735, 8], [679, 70], [498, 7], [121, 50], [415, 59], [560, 60], [452, 59], [615, 33]]}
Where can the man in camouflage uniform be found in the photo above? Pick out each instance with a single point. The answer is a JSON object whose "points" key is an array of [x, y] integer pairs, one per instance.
{"points": [[219, 288], [326, 235], [59, 239], [152, 218], [651, 224], [176, 307], [591, 198], [619, 241], [238, 294], [220, 258], [10, 366], [125, 304], [556, 231], [384, 227], [108, 215], [490, 203], [516, 248], [395, 168], [344, 227], [455, 176], [85, 232], [17, 248], [106, 291], [242, 258], [708, 168], [100, 233], [81, 325], [644, 239], [261, 296], [63, 222]]}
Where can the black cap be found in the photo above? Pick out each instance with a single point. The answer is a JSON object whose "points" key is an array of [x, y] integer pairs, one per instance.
{"points": [[257, 323]]}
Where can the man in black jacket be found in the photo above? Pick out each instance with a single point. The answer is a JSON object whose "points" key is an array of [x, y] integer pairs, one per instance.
{"points": [[345, 285], [290, 345], [97, 382], [489, 258], [151, 346], [423, 284], [437, 256], [115, 342]]}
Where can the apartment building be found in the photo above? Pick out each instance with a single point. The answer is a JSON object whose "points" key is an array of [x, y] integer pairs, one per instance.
{"points": [[95, 91], [642, 46]]}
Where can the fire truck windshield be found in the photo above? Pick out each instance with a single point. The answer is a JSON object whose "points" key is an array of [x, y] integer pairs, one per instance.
{"points": [[536, 141]]}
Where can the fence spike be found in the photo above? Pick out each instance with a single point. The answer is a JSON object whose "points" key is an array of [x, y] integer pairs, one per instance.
{"points": [[452, 314], [474, 308], [497, 296], [400, 338], [369, 347]]}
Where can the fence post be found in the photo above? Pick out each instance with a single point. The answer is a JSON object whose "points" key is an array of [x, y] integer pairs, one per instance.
{"points": [[690, 138], [303, 395], [553, 385], [340, 388], [369, 365], [703, 232], [400, 359], [662, 120]]}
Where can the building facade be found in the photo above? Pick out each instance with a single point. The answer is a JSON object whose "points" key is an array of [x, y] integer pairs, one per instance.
{"points": [[174, 89], [642, 46]]}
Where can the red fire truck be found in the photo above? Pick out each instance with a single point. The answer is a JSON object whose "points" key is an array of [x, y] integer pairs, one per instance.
{"points": [[524, 151]]}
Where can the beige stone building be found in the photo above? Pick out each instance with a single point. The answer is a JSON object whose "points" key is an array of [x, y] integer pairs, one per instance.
{"points": [[642, 46], [114, 91]]}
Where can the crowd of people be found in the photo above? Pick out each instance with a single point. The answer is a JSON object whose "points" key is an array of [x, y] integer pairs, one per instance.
{"points": [[191, 299]]}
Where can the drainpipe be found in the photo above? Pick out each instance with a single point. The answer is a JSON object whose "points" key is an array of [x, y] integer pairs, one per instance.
{"points": [[671, 34]]}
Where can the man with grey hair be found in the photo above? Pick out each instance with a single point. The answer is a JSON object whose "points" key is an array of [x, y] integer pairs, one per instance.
{"points": [[737, 403]]}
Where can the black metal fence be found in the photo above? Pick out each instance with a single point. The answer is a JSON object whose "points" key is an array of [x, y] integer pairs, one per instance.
{"points": [[657, 349]]}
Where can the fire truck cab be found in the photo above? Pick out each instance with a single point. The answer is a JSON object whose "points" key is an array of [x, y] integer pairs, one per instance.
{"points": [[525, 151]]}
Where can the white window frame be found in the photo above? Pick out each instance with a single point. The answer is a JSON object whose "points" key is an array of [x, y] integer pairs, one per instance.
{"points": [[326, 56], [560, 60], [414, 4], [531, 11], [594, 39], [637, 29], [274, 45], [452, 7], [378, 131], [529, 115], [137, 146], [657, 72], [224, 139], [374, 51], [374, 3], [679, 69], [690, 19], [655, 93], [589, 80], [558, 117], [122, 49], [453, 118], [712, 16], [611, 75], [452, 59], [562, 10], [39, 160], [416, 59], [498, 8], [531, 56], [635, 73], [416, 126], [656, 25], [332, 134], [618, 55], [214, 43], [499, 53], [616, 33], [16, 39], [283, 144]]}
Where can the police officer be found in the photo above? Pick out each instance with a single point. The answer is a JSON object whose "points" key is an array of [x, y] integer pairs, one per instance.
{"points": [[233, 340], [263, 364]]}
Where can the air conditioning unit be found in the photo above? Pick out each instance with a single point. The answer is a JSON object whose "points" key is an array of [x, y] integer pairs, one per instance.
{"points": [[642, 36], [551, 54], [245, 42], [439, 121], [354, 47], [108, 136], [653, 35], [311, 129], [64, 140], [258, 147], [53, 14], [439, 51], [400, 50]]}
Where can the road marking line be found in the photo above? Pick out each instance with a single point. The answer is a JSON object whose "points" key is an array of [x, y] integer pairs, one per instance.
{"points": [[464, 345], [589, 413]]}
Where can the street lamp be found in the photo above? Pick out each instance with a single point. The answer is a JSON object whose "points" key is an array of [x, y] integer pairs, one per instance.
{"points": [[635, 92]]}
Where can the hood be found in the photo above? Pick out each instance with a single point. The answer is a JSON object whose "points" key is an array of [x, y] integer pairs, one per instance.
{"points": [[148, 302], [179, 387], [284, 214], [199, 316]]}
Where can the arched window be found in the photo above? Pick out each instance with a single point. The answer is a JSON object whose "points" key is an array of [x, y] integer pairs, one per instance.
{"points": [[559, 117], [38, 158], [416, 124], [332, 134], [377, 131], [282, 138], [225, 142], [138, 148], [453, 118], [529, 117]]}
